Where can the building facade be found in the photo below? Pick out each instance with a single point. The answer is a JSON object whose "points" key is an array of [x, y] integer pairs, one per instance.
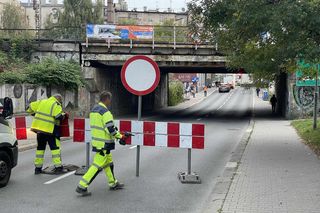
{"points": [[119, 14], [49, 9]]}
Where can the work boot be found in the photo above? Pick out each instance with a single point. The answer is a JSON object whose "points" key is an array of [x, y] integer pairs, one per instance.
{"points": [[37, 171], [83, 192], [59, 170], [117, 186]]}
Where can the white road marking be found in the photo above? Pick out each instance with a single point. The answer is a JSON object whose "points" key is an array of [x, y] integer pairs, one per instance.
{"points": [[199, 119], [59, 178], [231, 165], [133, 147], [225, 101]]}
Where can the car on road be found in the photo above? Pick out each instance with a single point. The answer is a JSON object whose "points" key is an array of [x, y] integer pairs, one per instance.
{"points": [[8, 144], [224, 88]]}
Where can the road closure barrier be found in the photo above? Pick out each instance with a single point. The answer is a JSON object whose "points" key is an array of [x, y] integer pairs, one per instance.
{"points": [[149, 133], [22, 125]]}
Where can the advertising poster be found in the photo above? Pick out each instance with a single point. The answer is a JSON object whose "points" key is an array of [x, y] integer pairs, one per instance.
{"points": [[119, 32]]}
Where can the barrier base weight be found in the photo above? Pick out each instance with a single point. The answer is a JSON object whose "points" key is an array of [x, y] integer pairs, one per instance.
{"points": [[81, 171], [66, 168], [184, 177]]}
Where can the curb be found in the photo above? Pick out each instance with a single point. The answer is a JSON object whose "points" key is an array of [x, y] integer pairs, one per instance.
{"points": [[22, 148], [219, 194]]}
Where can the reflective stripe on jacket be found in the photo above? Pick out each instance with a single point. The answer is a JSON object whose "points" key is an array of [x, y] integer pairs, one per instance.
{"points": [[101, 121], [47, 113]]}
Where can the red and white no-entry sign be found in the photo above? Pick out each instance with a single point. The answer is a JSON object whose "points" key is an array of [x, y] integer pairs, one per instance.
{"points": [[140, 75]]}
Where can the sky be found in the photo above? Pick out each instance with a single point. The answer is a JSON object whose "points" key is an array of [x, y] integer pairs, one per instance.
{"points": [[152, 4]]}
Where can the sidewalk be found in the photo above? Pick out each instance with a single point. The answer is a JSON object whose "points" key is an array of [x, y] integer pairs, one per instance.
{"points": [[190, 102], [277, 173]]}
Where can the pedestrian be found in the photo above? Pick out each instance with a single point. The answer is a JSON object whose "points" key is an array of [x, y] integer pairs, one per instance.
{"points": [[103, 132], [205, 90], [273, 101], [193, 91], [258, 91], [46, 124]]}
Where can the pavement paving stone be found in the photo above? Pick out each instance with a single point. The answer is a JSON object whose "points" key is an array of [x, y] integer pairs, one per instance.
{"points": [[277, 173]]}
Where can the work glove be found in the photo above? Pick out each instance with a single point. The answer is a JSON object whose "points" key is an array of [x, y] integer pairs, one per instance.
{"points": [[122, 141], [65, 115]]}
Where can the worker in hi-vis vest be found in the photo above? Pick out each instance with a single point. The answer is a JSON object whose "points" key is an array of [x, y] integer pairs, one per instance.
{"points": [[103, 133], [46, 123]]}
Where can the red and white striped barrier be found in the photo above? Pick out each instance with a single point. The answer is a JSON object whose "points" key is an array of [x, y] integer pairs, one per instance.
{"points": [[22, 126], [149, 133]]}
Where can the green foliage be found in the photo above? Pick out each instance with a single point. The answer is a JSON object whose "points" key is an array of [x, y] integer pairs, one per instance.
{"points": [[11, 77], [53, 72], [75, 16], [264, 37], [128, 21], [165, 32], [310, 136], [12, 17], [175, 93], [49, 72]]}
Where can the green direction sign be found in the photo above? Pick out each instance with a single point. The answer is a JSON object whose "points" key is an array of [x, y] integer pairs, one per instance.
{"points": [[303, 81]]}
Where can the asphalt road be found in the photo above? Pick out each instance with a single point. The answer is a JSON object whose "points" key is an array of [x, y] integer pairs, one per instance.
{"points": [[157, 189]]}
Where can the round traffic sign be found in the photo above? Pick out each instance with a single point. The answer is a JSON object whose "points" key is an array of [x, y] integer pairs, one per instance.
{"points": [[140, 75]]}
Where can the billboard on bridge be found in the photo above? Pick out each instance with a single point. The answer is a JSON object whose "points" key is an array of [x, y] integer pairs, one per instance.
{"points": [[119, 32]]}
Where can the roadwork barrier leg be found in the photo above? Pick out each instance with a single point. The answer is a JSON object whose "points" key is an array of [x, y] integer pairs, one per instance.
{"points": [[189, 177]]}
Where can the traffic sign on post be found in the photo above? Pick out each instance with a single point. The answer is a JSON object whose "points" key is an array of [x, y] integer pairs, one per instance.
{"points": [[140, 75]]}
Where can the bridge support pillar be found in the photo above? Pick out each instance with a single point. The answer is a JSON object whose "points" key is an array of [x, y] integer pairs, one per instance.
{"points": [[161, 93]]}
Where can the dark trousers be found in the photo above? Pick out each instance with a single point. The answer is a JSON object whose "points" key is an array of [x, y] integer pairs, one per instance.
{"points": [[273, 108], [54, 144]]}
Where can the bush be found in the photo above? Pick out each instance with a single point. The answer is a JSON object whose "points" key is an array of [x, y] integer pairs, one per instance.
{"points": [[175, 93], [49, 72]]}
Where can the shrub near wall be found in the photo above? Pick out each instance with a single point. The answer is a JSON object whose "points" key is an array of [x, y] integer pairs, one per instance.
{"points": [[175, 93]]}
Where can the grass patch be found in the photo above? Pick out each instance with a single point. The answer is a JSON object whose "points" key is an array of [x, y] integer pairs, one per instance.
{"points": [[310, 136]]}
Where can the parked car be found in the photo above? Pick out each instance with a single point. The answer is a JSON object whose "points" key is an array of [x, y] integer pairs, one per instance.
{"points": [[8, 143], [224, 88]]}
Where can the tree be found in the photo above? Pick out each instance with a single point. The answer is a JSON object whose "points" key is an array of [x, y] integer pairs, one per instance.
{"points": [[265, 37], [73, 19], [262, 36], [12, 17]]}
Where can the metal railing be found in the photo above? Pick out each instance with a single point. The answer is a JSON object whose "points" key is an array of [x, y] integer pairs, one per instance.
{"points": [[170, 35]]}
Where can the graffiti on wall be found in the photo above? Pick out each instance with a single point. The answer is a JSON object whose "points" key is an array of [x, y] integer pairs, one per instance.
{"points": [[23, 94], [304, 96], [61, 56]]}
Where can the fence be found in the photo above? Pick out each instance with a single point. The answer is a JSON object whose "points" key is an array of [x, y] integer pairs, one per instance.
{"points": [[174, 35]]}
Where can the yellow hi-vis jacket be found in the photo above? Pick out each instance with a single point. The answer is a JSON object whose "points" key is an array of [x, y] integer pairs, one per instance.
{"points": [[103, 131], [46, 114]]}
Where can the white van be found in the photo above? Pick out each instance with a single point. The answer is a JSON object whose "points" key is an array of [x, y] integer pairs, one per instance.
{"points": [[8, 142]]}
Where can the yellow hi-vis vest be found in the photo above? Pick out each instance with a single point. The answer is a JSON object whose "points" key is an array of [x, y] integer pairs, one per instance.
{"points": [[33, 107], [47, 113], [101, 121]]}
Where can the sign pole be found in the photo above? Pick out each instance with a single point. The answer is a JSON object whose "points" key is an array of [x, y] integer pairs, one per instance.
{"points": [[138, 146], [189, 161], [131, 73], [315, 113], [87, 156]]}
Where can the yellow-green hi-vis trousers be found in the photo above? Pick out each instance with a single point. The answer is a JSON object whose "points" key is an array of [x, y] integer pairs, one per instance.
{"points": [[101, 161]]}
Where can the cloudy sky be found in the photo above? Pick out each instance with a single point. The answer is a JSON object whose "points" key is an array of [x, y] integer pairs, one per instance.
{"points": [[151, 4]]}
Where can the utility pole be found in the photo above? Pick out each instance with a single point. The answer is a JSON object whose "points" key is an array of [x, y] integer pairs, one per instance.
{"points": [[36, 8], [316, 91]]}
